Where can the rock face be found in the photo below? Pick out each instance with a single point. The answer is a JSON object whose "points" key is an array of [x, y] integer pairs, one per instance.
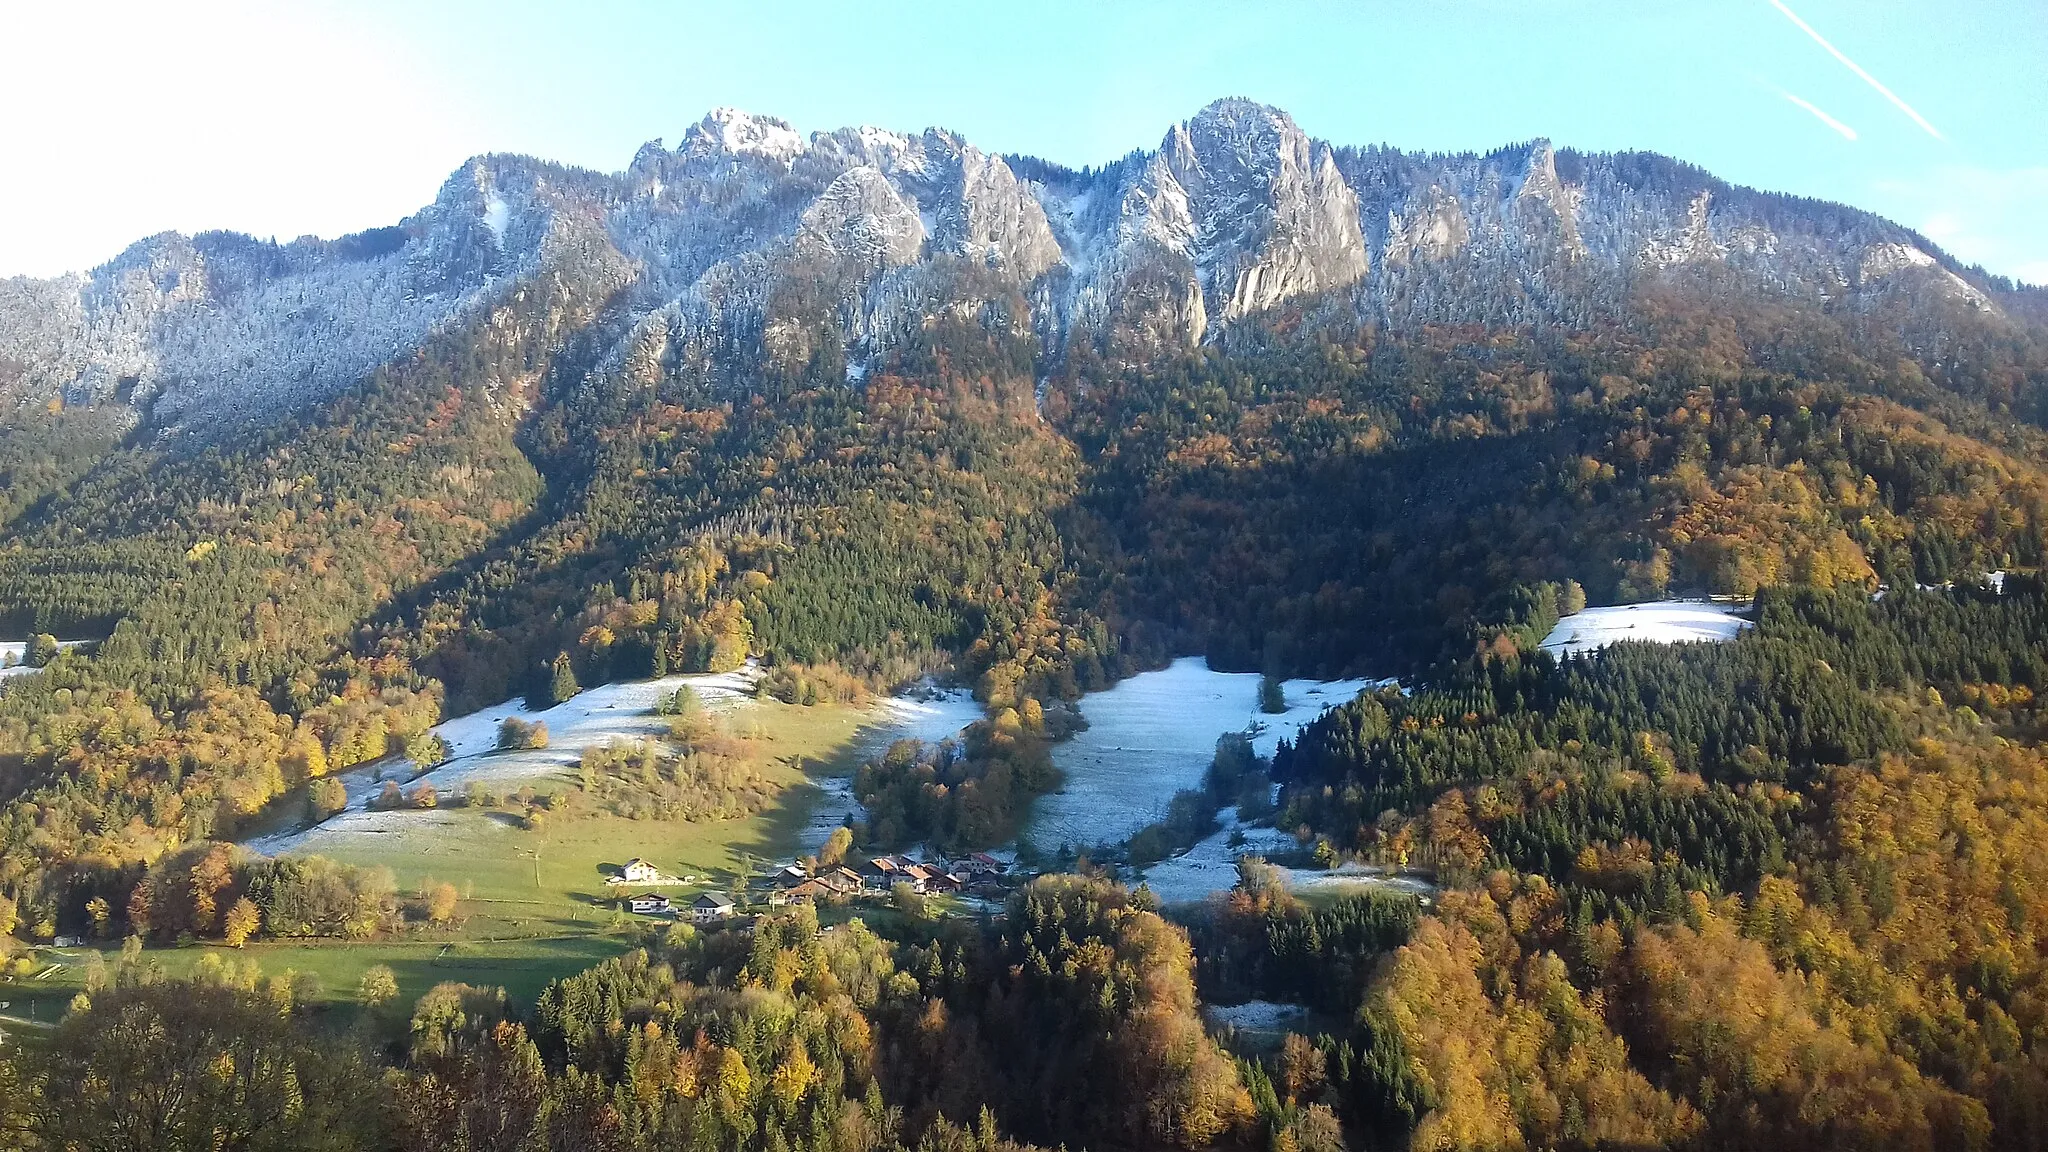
{"points": [[751, 240]]}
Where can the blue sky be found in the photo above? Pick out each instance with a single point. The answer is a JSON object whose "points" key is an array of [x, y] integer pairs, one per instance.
{"points": [[126, 118]]}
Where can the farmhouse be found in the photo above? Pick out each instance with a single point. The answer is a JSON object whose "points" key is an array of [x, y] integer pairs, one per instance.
{"points": [[811, 890], [639, 871], [710, 907], [917, 876], [790, 876], [880, 873], [650, 906]]}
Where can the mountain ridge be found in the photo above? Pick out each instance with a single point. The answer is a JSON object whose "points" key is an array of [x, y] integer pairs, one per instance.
{"points": [[748, 239]]}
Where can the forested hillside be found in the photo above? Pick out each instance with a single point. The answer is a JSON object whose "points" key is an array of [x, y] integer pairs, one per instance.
{"points": [[746, 401]]}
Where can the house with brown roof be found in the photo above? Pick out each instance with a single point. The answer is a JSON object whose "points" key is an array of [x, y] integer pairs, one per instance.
{"points": [[880, 873], [918, 876]]}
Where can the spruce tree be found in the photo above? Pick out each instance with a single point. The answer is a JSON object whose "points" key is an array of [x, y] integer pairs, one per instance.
{"points": [[563, 685]]}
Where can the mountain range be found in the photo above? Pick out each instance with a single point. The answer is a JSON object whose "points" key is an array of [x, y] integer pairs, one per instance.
{"points": [[750, 241]]}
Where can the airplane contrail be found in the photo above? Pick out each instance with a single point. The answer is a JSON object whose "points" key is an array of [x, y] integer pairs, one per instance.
{"points": [[1857, 69], [1846, 131]]}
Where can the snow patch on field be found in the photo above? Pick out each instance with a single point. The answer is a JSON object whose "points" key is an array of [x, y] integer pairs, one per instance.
{"points": [[1361, 876], [593, 719], [611, 712], [1211, 865], [1153, 735], [1255, 1015], [1664, 622], [928, 714], [12, 652], [590, 720]]}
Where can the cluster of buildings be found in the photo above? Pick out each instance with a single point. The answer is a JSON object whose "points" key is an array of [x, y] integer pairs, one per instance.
{"points": [[978, 874], [707, 908], [881, 874]]}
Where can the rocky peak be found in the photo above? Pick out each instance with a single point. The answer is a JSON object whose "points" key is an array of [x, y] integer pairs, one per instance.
{"points": [[861, 221], [731, 132], [997, 220], [1543, 190], [1272, 217]]}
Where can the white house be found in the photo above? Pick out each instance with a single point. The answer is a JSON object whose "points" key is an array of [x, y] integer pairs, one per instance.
{"points": [[711, 906], [650, 905], [639, 871]]}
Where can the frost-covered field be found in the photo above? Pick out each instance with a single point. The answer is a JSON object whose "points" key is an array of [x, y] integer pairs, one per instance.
{"points": [[1255, 1016], [1153, 735], [1664, 622], [1211, 865], [928, 715], [591, 719], [612, 712], [1361, 876], [13, 651]]}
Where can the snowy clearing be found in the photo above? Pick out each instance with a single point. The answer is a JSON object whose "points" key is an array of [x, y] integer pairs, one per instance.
{"points": [[928, 714], [1255, 1015], [12, 652], [1211, 866], [590, 720], [1362, 876], [1663, 622], [1153, 735]]}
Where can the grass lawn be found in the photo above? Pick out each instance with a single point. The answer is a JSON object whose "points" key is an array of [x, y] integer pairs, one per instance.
{"points": [[524, 884], [521, 967], [535, 904]]}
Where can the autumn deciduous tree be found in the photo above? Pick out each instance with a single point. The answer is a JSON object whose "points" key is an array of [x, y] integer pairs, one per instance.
{"points": [[378, 987], [241, 923], [438, 901], [194, 1065], [835, 848]]}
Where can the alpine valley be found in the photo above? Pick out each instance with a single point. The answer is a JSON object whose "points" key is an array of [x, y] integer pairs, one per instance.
{"points": [[860, 413]]}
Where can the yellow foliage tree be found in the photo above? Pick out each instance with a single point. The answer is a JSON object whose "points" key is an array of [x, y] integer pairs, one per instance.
{"points": [[242, 921]]}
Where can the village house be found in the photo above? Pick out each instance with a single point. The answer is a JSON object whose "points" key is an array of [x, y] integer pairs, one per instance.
{"points": [[812, 890], [639, 871], [711, 907], [917, 876], [880, 873], [650, 906], [790, 876], [845, 880], [940, 881]]}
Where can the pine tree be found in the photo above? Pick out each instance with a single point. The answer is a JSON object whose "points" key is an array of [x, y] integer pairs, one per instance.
{"points": [[563, 686], [1272, 695]]}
